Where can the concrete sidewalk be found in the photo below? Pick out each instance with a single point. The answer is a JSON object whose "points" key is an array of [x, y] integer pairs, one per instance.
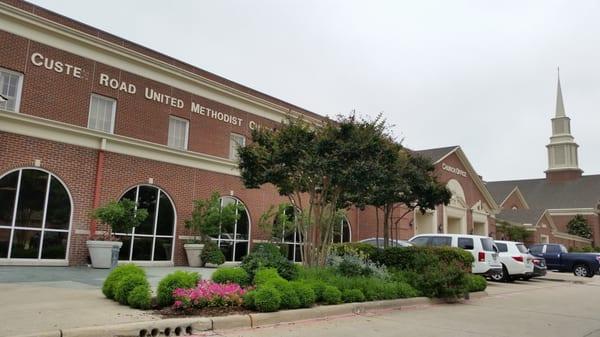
{"points": [[49, 298]]}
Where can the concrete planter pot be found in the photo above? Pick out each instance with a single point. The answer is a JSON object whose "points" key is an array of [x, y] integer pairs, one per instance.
{"points": [[101, 253], [193, 251]]}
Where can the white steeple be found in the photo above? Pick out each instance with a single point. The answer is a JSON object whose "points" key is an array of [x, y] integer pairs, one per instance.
{"points": [[562, 150]]}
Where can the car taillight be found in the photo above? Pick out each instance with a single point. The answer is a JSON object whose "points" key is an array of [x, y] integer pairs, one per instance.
{"points": [[518, 258], [481, 257]]}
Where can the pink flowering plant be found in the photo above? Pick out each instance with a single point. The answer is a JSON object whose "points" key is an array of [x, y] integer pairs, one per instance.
{"points": [[208, 294]]}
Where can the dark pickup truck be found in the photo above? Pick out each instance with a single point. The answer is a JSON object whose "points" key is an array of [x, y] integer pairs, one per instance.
{"points": [[558, 258]]}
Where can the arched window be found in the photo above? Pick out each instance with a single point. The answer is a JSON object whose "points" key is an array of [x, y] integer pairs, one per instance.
{"points": [[289, 236], [35, 216], [233, 239], [342, 233], [152, 240]]}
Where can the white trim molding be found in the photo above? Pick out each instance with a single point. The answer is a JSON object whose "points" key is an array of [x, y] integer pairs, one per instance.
{"points": [[42, 128], [573, 211]]}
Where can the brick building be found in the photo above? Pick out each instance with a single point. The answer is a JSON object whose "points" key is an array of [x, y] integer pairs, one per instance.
{"points": [[87, 117]]}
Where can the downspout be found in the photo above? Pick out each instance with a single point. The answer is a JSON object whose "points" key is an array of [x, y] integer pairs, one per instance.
{"points": [[98, 184]]}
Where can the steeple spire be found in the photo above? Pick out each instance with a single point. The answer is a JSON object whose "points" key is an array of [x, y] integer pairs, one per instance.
{"points": [[560, 107]]}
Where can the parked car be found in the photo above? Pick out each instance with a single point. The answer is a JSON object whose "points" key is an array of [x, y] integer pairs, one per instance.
{"points": [[481, 247], [558, 258], [516, 261], [539, 267], [378, 242]]}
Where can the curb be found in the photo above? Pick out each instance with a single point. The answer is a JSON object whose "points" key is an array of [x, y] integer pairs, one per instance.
{"points": [[189, 326]]}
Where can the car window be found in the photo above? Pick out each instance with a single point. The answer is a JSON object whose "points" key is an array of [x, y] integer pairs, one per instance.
{"points": [[438, 241], [487, 244], [536, 249], [420, 241], [502, 247], [553, 249], [521, 247], [465, 243]]}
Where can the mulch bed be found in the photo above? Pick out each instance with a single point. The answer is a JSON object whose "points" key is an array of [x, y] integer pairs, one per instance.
{"points": [[204, 312]]}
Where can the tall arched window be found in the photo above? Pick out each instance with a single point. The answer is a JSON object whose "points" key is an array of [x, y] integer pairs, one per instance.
{"points": [[35, 216], [152, 240], [233, 239], [289, 237]]}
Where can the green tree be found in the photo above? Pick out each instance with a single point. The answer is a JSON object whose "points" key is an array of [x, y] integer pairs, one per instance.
{"points": [[322, 169], [580, 227], [122, 216], [513, 232], [209, 216]]}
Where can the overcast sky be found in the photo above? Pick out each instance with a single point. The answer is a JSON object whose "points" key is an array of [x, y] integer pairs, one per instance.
{"points": [[479, 74]]}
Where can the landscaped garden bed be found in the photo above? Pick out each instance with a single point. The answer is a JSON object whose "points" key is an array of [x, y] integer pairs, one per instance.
{"points": [[266, 281]]}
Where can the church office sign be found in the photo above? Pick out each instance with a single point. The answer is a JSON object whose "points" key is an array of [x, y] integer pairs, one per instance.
{"points": [[39, 60], [454, 170]]}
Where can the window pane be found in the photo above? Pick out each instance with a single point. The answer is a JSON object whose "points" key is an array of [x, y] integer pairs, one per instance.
{"points": [[32, 194], [502, 247], [4, 242], [142, 249], [487, 245], [346, 232], [242, 226], [227, 249], [438, 241], [166, 216], [177, 133], [25, 244], [8, 191], [465, 243], [55, 245], [59, 206], [124, 252], [130, 194], [163, 249], [241, 250], [9, 85], [101, 113], [147, 200]]}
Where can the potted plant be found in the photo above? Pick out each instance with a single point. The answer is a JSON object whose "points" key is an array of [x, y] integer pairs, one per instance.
{"points": [[207, 219], [121, 216]]}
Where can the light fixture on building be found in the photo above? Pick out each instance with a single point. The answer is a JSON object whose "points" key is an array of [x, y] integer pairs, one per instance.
{"points": [[3, 99]]}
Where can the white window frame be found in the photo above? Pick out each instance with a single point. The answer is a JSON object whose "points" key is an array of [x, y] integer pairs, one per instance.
{"points": [[113, 112], [187, 132], [19, 88], [233, 154]]}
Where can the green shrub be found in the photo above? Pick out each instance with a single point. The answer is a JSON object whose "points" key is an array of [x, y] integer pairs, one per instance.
{"points": [[353, 295], [317, 287], [249, 299], [266, 256], [109, 285], [364, 249], [140, 297], [178, 279], [212, 254], [267, 299], [476, 283], [232, 275], [405, 290], [332, 295], [305, 293], [269, 248], [127, 283], [265, 275], [289, 298]]}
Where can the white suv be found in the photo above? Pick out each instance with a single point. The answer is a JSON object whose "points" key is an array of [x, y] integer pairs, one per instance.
{"points": [[515, 259], [481, 247]]}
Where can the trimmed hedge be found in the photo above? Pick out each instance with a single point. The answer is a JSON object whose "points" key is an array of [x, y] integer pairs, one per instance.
{"points": [[178, 279], [109, 285], [369, 251], [231, 275], [416, 258], [265, 275], [289, 298], [212, 254], [140, 297], [267, 299], [476, 283], [332, 295], [353, 295], [127, 283], [305, 293]]}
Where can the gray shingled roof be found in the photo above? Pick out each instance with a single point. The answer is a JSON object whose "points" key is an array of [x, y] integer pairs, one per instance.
{"points": [[541, 194], [435, 154], [530, 216]]}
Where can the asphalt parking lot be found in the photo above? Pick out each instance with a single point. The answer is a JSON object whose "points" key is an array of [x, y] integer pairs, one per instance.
{"points": [[535, 308]]}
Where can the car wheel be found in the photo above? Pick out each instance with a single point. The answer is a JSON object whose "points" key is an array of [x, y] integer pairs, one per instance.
{"points": [[501, 276], [582, 270], [526, 278]]}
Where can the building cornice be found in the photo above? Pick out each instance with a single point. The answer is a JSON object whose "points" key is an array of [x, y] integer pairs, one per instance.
{"points": [[51, 130], [573, 211], [42, 30]]}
